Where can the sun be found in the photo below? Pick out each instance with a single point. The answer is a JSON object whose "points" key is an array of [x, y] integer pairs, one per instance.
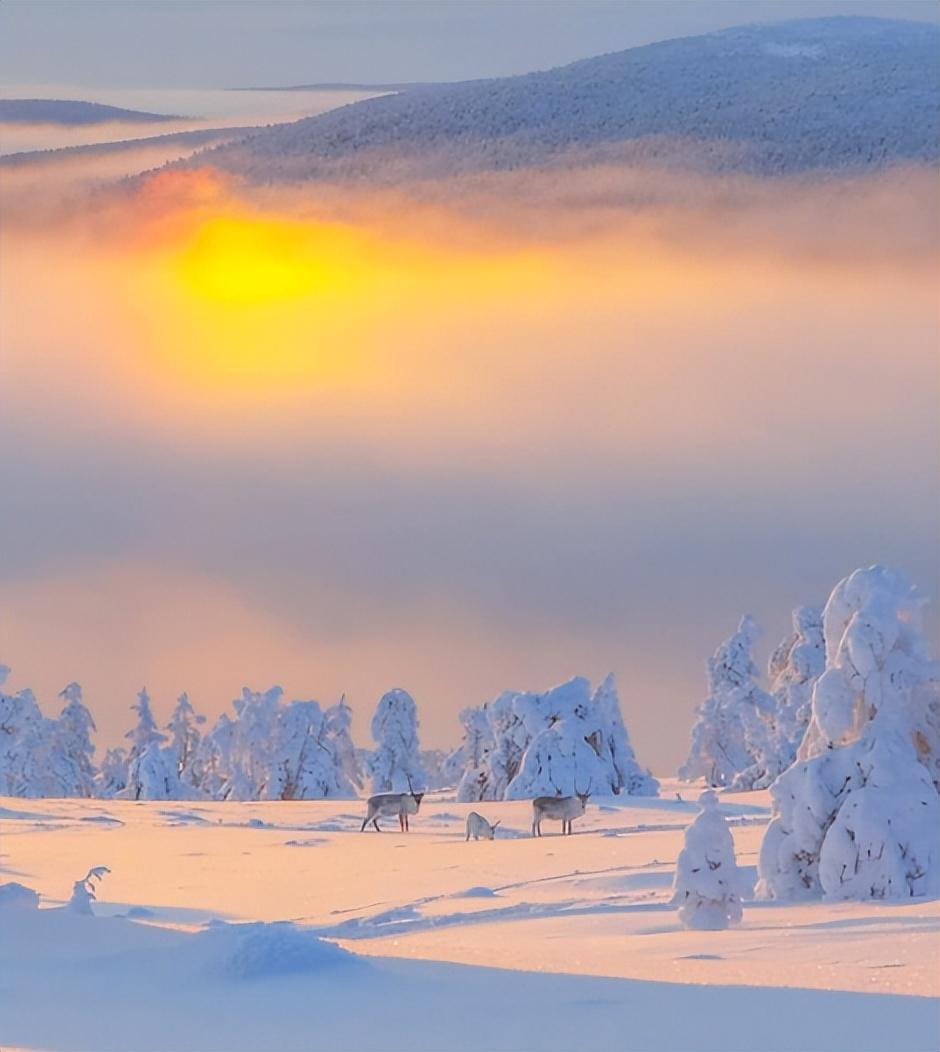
{"points": [[250, 260]]}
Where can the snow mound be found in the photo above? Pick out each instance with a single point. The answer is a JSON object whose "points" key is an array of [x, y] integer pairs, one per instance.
{"points": [[478, 892], [261, 951], [17, 897]]}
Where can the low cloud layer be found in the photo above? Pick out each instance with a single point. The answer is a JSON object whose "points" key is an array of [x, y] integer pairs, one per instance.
{"points": [[467, 436]]}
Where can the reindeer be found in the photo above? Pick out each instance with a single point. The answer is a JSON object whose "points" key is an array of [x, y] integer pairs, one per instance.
{"points": [[477, 827], [401, 804], [566, 808]]}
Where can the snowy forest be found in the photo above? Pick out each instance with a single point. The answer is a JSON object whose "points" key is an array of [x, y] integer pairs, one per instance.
{"points": [[846, 736]]}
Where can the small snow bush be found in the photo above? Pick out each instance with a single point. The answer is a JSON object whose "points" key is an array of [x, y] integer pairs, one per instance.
{"points": [[83, 891], [857, 814], [708, 884]]}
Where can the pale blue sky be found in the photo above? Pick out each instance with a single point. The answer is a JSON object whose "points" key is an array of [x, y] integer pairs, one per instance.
{"points": [[109, 43]]}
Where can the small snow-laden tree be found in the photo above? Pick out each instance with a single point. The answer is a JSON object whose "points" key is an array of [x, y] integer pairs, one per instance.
{"points": [[793, 669], [83, 891], [856, 815], [152, 775], [559, 759], [467, 766], [395, 763], [73, 746], [612, 743], [184, 737], [510, 739], [22, 727], [112, 775], [732, 739], [305, 764], [708, 885], [251, 755], [338, 723], [145, 733], [212, 763]]}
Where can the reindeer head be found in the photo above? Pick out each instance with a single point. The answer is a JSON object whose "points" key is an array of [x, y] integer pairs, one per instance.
{"points": [[585, 796], [417, 797]]}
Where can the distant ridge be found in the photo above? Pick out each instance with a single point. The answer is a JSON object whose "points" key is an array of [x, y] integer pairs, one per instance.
{"points": [[834, 93], [69, 111]]}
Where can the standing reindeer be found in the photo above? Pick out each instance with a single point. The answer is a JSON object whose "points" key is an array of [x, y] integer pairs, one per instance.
{"points": [[565, 808], [478, 827], [387, 804]]}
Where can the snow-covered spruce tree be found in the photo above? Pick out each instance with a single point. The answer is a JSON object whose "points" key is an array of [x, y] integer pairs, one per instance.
{"points": [[732, 738], [856, 816], [612, 742], [73, 745], [396, 761], [577, 741], [184, 737], [251, 752], [708, 885], [304, 763], [338, 723], [510, 739], [145, 732], [559, 760], [467, 767], [793, 669], [23, 739], [152, 775], [112, 775]]}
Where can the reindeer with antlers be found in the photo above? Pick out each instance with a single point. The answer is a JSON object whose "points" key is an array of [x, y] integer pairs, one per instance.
{"points": [[564, 808], [388, 804]]}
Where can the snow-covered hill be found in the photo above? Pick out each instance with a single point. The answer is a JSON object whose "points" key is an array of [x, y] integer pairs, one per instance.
{"points": [[70, 111], [810, 94]]}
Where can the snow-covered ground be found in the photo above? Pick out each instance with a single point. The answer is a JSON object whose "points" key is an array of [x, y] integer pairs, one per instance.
{"points": [[514, 943]]}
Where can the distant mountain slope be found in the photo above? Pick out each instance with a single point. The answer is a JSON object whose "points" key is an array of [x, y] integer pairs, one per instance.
{"points": [[819, 93], [68, 111]]}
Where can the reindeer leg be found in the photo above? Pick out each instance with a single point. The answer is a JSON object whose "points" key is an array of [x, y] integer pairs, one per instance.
{"points": [[365, 822], [375, 822]]}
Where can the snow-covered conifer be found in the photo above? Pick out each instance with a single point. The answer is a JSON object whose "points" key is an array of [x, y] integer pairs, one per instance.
{"points": [[83, 891], [612, 743], [856, 815], [396, 760], [303, 758], [73, 745], [151, 775], [732, 736], [467, 765], [145, 733], [22, 729], [112, 775], [510, 739], [708, 884], [338, 722], [184, 737]]}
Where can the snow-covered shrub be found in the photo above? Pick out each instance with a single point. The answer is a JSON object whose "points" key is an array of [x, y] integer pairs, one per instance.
{"points": [[732, 739], [83, 891], [395, 763], [708, 884], [857, 814]]}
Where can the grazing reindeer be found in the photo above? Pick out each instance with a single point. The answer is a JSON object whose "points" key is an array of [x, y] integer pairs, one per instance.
{"points": [[566, 808], [477, 827], [401, 804]]}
